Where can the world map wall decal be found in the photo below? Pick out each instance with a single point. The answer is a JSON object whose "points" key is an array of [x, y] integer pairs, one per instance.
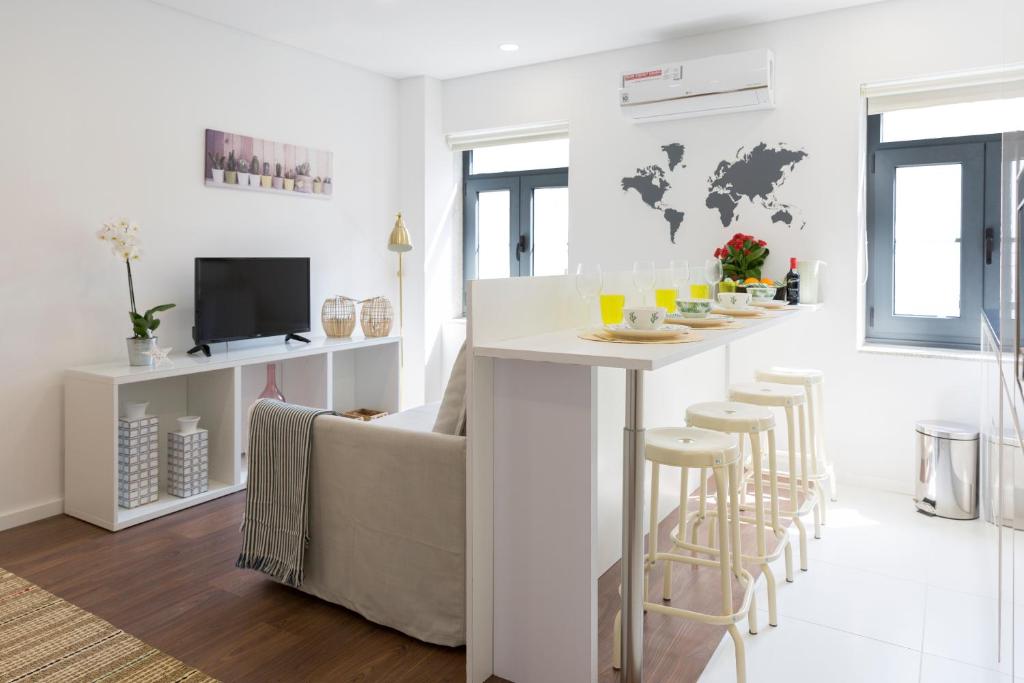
{"points": [[754, 175], [651, 184]]}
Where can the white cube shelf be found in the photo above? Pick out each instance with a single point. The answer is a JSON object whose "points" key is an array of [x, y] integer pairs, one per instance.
{"points": [[339, 374]]}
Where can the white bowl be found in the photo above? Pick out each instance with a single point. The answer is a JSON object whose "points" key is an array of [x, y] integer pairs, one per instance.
{"points": [[133, 411], [188, 424], [644, 317], [734, 299]]}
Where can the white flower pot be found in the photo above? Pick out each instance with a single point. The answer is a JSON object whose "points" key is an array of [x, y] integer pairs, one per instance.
{"points": [[188, 424], [243, 179], [218, 175], [137, 351], [254, 180]]}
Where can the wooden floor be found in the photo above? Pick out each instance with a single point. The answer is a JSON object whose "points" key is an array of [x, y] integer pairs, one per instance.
{"points": [[172, 582]]}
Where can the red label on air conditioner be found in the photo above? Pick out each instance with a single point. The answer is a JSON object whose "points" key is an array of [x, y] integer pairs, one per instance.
{"points": [[642, 75]]}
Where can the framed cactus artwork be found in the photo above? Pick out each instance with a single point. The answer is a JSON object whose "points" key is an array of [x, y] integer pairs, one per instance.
{"points": [[240, 162]]}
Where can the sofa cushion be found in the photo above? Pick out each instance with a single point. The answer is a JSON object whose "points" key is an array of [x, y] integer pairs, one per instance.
{"points": [[418, 419], [451, 418]]}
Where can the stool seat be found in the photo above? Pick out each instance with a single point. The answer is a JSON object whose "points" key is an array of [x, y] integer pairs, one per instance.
{"points": [[800, 376], [690, 447], [730, 416], [768, 394]]}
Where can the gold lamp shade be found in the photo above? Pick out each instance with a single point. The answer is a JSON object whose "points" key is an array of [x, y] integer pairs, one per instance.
{"points": [[399, 239]]}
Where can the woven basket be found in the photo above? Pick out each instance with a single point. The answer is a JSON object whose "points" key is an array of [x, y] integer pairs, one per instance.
{"points": [[376, 317], [338, 316]]}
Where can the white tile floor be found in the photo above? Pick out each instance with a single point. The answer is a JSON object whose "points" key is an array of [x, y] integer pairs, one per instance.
{"points": [[891, 596]]}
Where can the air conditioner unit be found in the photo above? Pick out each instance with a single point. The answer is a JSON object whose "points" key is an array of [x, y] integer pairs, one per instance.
{"points": [[740, 81]]}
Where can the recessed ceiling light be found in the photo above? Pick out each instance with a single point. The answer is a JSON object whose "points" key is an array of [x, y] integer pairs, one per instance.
{"points": [[508, 47]]}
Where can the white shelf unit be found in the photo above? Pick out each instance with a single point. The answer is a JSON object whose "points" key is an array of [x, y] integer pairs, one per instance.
{"points": [[338, 374]]}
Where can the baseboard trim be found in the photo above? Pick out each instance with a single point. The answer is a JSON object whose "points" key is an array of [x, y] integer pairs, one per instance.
{"points": [[33, 513]]}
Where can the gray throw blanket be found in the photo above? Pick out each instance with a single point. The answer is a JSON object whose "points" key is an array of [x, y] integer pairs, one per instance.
{"points": [[275, 528]]}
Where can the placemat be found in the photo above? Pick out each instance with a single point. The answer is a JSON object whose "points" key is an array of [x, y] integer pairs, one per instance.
{"points": [[729, 323], [597, 336]]}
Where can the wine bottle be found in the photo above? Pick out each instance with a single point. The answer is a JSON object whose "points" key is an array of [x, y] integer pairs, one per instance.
{"points": [[792, 284]]}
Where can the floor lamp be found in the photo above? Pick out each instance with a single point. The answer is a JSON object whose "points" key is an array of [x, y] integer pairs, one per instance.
{"points": [[400, 243]]}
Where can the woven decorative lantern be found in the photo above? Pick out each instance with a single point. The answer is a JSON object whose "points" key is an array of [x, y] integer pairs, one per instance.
{"points": [[338, 316], [376, 317]]}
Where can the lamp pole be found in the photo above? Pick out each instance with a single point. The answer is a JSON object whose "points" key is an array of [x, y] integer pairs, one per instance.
{"points": [[400, 242]]}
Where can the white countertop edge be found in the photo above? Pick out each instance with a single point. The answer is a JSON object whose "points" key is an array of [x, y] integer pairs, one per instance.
{"points": [[518, 348], [182, 364]]}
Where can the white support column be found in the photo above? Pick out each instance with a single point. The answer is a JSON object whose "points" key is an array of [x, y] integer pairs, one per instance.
{"points": [[545, 530]]}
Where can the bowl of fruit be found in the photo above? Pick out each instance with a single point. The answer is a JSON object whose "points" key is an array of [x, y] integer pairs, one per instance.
{"points": [[761, 290]]}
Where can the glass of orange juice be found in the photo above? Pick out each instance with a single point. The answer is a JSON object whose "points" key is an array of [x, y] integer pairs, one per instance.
{"points": [[666, 298], [611, 308], [700, 291]]}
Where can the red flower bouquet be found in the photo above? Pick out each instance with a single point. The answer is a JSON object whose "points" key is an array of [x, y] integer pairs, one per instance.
{"points": [[742, 257]]}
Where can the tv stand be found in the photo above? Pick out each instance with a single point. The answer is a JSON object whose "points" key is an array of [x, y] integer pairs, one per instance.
{"points": [[296, 337], [205, 348], [333, 373]]}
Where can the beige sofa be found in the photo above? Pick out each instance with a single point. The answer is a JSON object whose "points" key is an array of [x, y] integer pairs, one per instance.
{"points": [[387, 520]]}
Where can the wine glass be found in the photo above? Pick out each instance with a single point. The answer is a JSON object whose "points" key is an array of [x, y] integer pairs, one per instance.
{"points": [[643, 278], [712, 274], [589, 283], [680, 273]]}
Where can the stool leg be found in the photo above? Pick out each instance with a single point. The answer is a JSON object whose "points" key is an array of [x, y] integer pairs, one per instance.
{"points": [[724, 568], [816, 465], [652, 533], [804, 465], [741, 485], [702, 508], [833, 492], [617, 640], [666, 586], [773, 474], [733, 541], [794, 495], [759, 528], [741, 654]]}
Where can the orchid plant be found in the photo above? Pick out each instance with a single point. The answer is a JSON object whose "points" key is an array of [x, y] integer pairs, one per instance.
{"points": [[123, 238]]}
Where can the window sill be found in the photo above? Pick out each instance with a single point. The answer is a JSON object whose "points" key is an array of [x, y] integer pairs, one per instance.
{"points": [[918, 351]]}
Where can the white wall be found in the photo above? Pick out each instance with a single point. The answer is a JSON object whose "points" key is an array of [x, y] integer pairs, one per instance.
{"points": [[821, 61], [873, 400], [105, 104], [429, 178]]}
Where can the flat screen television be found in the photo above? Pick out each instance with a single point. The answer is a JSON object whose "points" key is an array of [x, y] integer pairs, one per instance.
{"points": [[244, 298]]}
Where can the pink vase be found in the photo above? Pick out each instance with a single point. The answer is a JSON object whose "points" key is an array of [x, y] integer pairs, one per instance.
{"points": [[271, 390]]}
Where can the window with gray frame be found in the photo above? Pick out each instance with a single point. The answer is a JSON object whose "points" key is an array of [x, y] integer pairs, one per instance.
{"points": [[932, 223], [515, 223]]}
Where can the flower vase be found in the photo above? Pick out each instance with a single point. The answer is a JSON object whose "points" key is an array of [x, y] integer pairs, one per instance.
{"points": [[138, 347], [271, 390]]}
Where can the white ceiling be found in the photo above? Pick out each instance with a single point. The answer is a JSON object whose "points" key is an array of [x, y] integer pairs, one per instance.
{"points": [[449, 38]]}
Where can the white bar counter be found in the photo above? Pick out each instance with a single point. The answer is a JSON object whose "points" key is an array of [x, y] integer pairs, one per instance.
{"points": [[536, 426], [565, 346]]}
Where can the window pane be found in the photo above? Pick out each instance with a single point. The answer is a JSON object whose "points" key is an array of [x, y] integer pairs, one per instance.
{"points": [[492, 220], [926, 232], [523, 156], [550, 230], [953, 120]]}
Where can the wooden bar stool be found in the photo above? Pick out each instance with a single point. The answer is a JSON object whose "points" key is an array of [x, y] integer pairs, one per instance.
{"points": [[690, 448], [793, 401], [752, 422], [812, 382]]}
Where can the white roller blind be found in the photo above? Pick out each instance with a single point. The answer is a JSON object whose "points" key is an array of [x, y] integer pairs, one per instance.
{"points": [[475, 139], [965, 86]]}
